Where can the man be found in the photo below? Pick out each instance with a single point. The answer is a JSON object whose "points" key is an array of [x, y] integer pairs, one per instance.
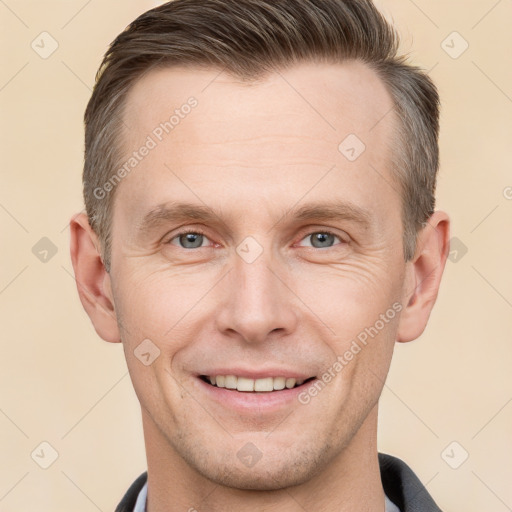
{"points": [[259, 181]]}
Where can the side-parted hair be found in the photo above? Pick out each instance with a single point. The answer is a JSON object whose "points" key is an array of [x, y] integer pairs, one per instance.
{"points": [[249, 39]]}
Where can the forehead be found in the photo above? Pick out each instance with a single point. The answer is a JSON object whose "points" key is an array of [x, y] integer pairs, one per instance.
{"points": [[330, 97], [264, 137]]}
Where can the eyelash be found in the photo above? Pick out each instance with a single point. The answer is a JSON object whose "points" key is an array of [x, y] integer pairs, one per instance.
{"points": [[201, 232]]}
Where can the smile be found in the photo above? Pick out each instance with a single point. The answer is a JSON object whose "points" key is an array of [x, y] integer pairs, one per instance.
{"points": [[264, 385]]}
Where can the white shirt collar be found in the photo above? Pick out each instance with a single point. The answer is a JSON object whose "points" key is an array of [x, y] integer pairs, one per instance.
{"points": [[140, 505]]}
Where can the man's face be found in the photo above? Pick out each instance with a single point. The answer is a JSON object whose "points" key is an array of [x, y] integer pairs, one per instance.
{"points": [[301, 252]]}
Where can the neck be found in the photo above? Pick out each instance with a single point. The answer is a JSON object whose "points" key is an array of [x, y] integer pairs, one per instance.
{"points": [[350, 482]]}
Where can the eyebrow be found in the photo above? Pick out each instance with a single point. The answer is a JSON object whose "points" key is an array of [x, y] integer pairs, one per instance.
{"points": [[175, 212], [180, 211], [334, 211]]}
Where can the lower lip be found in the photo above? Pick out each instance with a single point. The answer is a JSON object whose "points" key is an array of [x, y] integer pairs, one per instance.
{"points": [[260, 402]]}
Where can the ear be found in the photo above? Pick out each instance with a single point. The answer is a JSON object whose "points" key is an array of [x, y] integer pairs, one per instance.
{"points": [[423, 276], [92, 280]]}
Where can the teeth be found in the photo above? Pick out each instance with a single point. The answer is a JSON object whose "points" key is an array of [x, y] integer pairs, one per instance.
{"points": [[266, 384], [231, 381], [290, 383], [279, 383], [244, 384]]}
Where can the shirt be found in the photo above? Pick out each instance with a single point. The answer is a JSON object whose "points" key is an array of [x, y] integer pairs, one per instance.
{"points": [[140, 506]]}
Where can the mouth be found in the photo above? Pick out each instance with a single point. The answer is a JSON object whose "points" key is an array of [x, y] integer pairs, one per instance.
{"points": [[247, 385]]}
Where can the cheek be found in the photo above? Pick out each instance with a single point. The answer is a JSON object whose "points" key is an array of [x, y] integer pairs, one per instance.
{"points": [[148, 307], [360, 304], [360, 368], [153, 304], [350, 297]]}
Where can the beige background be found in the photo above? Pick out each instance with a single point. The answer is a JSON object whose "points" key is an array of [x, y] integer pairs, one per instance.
{"points": [[61, 384]]}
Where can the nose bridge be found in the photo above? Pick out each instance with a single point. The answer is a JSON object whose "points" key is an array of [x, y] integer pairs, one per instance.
{"points": [[258, 302]]}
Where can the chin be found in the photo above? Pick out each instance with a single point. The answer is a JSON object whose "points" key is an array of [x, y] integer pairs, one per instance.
{"points": [[274, 471], [265, 479]]}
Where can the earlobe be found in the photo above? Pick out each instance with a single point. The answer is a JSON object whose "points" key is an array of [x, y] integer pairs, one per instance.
{"points": [[92, 280], [423, 276]]}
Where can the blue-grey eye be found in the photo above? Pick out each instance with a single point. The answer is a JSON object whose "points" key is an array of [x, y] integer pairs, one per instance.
{"points": [[191, 240], [321, 239]]}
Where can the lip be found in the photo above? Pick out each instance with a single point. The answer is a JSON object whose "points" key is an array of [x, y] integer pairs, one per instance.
{"points": [[257, 374], [253, 402]]}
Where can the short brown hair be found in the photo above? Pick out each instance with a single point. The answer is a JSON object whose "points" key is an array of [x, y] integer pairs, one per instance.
{"points": [[249, 38]]}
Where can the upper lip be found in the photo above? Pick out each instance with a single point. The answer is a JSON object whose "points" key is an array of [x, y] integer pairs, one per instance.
{"points": [[258, 373]]}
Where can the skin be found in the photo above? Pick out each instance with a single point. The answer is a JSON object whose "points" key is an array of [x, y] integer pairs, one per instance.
{"points": [[253, 152]]}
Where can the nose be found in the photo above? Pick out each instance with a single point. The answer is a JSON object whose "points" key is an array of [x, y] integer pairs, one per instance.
{"points": [[257, 302]]}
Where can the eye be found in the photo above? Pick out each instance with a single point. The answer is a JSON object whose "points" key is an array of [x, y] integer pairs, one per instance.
{"points": [[197, 239], [321, 239], [189, 240]]}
